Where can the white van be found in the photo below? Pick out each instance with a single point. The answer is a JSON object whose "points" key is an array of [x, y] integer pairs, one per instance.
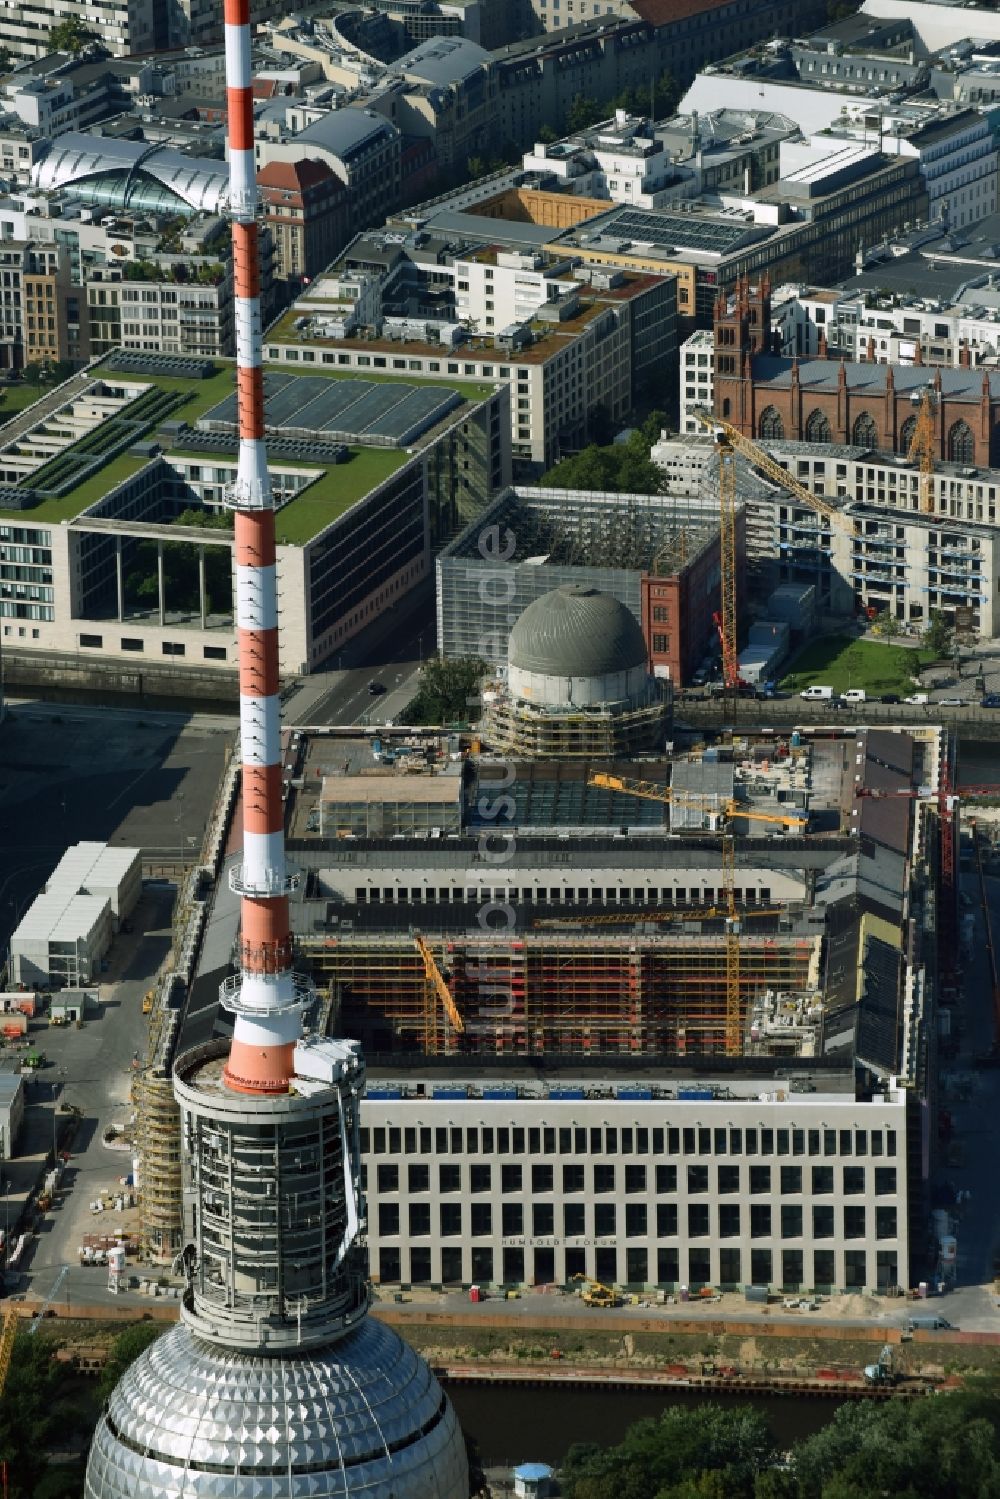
{"points": [[853, 695], [815, 694]]}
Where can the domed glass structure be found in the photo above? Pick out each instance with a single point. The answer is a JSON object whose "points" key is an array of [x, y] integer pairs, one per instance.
{"points": [[364, 1417]]}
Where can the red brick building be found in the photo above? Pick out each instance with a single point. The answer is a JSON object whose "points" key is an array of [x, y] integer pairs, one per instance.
{"points": [[832, 400]]}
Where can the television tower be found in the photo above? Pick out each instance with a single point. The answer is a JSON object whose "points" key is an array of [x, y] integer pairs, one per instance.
{"points": [[276, 1382]]}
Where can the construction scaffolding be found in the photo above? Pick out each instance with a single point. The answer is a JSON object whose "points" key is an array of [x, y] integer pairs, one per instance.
{"points": [[558, 993], [518, 728]]}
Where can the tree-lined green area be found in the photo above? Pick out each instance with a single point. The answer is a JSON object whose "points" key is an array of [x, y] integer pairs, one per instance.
{"points": [[937, 1447], [48, 1413], [615, 467], [839, 662], [449, 692]]}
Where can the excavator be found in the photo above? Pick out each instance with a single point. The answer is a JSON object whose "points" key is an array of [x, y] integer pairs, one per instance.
{"points": [[882, 1373], [595, 1294]]}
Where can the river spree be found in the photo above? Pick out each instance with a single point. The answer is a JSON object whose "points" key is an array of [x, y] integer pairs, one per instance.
{"points": [[511, 1425]]}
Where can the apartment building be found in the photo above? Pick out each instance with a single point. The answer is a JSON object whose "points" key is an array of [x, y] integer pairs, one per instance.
{"points": [[662, 1181], [306, 206], [888, 552], [361, 148], [584, 346]]}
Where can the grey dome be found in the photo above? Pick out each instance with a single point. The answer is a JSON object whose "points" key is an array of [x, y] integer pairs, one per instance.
{"points": [[363, 1417], [575, 631]]}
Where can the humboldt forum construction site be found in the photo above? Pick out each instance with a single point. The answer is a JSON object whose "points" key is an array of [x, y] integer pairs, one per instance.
{"points": [[571, 988]]}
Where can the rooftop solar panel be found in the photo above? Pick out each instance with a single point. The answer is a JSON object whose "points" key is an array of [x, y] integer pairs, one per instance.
{"points": [[391, 411]]}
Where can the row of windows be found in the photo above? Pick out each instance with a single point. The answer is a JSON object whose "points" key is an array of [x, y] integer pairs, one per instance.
{"points": [[605, 1177], [961, 444], [667, 1266], [170, 647], [609, 1140], [638, 1220]]}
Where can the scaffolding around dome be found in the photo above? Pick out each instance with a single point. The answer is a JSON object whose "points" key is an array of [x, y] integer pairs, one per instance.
{"points": [[577, 683]]}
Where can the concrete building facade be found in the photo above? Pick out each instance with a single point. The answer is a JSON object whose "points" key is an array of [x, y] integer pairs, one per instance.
{"points": [[663, 1182]]}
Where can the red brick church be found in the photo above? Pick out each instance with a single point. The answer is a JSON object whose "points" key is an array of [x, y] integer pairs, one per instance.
{"points": [[869, 405]]}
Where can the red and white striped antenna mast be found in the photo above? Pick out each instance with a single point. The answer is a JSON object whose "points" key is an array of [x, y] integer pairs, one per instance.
{"points": [[266, 997]]}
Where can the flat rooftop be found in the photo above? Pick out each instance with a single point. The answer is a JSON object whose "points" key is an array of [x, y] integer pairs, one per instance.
{"points": [[180, 422], [773, 1082]]}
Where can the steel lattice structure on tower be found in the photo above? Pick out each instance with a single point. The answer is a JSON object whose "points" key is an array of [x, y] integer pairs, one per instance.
{"points": [[276, 1384]]}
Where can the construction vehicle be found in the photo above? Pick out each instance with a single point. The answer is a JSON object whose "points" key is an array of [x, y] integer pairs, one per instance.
{"points": [[882, 1373], [596, 1294], [147, 1001]]}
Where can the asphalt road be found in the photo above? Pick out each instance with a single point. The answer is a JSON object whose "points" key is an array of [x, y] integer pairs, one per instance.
{"points": [[393, 656]]}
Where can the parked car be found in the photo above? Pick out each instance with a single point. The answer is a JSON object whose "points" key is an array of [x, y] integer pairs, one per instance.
{"points": [[889, 697], [991, 700], [817, 694], [918, 699], [951, 702]]}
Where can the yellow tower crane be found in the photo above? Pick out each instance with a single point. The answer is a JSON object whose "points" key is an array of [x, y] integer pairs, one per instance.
{"points": [[729, 809], [436, 992], [7, 1337]]}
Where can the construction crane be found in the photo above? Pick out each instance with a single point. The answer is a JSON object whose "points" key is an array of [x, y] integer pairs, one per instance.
{"points": [[922, 446], [436, 991], [596, 1294], [730, 441], [727, 808], [755, 455], [53, 1293], [726, 618], [7, 1337]]}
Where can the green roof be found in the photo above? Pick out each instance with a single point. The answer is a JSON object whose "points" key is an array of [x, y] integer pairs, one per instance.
{"points": [[68, 506], [334, 492]]}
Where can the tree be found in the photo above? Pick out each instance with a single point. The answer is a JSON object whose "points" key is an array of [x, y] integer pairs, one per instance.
{"points": [[939, 635], [71, 36], [449, 691], [124, 1351], [547, 135], [584, 112], [704, 1453], [617, 468], [885, 624], [32, 1414]]}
